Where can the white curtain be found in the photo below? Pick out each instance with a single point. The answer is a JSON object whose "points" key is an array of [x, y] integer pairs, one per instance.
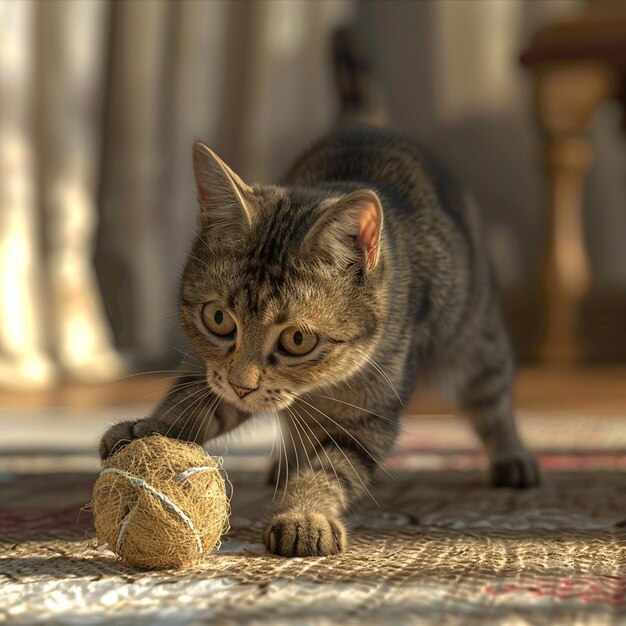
{"points": [[51, 83]]}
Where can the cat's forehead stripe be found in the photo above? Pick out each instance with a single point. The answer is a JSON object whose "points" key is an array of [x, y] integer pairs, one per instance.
{"points": [[270, 270], [266, 304]]}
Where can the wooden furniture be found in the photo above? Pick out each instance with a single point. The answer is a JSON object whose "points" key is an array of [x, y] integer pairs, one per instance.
{"points": [[576, 66]]}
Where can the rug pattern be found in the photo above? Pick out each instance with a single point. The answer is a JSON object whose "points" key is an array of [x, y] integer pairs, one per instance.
{"points": [[442, 548]]}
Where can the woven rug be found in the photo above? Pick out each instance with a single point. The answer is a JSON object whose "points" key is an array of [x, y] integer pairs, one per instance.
{"points": [[440, 548]]}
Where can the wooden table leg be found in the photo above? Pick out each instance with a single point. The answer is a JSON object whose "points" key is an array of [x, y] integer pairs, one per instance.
{"points": [[567, 95]]}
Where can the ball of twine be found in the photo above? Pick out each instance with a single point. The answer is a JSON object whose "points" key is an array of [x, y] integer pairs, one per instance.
{"points": [[161, 503]]}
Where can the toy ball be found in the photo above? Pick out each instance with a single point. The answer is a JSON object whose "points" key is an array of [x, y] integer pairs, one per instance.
{"points": [[161, 503]]}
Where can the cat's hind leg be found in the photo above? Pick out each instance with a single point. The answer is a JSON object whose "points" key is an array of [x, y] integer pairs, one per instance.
{"points": [[485, 394]]}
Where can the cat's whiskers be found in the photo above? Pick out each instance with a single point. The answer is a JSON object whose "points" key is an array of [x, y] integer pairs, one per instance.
{"points": [[182, 386], [345, 456], [382, 372], [179, 372], [200, 423], [273, 433], [354, 406], [280, 455], [193, 416], [186, 355], [200, 420], [187, 385], [217, 406], [149, 388], [299, 423], [188, 413], [213, 411], [282, 439], [204, 390], [295, 423], [359, 443], [182, 382], [319, 444], [295, 450]]}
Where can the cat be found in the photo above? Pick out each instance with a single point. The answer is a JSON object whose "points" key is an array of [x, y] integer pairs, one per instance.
{"points": [[323, 299]]}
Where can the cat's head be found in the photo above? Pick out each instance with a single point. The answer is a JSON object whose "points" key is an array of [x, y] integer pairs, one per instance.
{"points": [[283, 291]]}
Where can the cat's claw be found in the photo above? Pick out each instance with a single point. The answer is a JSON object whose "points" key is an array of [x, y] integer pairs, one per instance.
{"points": [[121, 434], [297, 533], [519, 472]]}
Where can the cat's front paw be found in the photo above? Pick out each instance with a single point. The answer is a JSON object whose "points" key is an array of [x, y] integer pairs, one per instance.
{"points": [[298, 533], [122, 433], [520, 471]]}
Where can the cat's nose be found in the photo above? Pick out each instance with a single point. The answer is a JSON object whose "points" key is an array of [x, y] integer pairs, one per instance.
{"points": [[242, 391]]}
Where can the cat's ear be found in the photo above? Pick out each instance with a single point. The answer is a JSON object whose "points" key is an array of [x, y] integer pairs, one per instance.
{"points": [[349, 230], [223, 198]]}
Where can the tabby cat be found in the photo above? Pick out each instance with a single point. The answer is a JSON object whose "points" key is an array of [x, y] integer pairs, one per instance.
{"points": [[323, 299]]}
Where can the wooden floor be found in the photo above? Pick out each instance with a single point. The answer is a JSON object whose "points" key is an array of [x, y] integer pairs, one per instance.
{"points": [[590, 390], [594, 390]]}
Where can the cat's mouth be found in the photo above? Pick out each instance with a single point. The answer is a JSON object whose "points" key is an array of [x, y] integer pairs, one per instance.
{"points": [[257, 400]]}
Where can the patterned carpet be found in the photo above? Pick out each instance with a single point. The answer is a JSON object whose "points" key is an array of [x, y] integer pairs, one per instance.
{"points": [[441, 547]]}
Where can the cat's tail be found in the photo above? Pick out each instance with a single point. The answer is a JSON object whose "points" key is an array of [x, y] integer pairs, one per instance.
{"points": [[359, 94]]}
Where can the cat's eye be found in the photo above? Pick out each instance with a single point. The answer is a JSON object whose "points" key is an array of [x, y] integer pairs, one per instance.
{"points": [[297, 342], [217, 319]]}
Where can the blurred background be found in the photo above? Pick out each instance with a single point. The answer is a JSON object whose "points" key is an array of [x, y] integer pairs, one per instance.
{"points": [[100, 102]]}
